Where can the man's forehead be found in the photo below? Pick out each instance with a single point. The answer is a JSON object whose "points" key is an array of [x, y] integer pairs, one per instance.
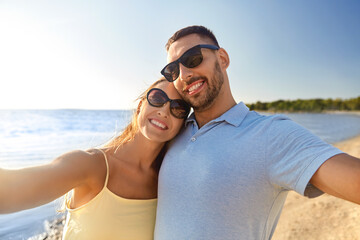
{"points": [[181, 45]]}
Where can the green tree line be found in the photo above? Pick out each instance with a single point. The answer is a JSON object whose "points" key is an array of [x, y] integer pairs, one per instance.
{"points": [[308, 105]]}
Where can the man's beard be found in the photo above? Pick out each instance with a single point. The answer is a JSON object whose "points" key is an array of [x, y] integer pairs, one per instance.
{"points": [[203, 102]]}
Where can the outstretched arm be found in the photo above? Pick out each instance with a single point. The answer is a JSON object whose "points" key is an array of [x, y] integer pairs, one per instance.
{"points": [[31, 187], [340, 177]]}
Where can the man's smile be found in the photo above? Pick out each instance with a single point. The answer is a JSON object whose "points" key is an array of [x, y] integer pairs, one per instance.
{"points": [[195, 87]]}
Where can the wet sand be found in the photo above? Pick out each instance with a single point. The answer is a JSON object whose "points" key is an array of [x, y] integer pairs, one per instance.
{"points": [[322, 218]]}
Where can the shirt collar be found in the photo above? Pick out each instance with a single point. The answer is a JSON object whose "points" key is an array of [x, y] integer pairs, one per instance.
{"points": [[233, 116], [190, 119]]}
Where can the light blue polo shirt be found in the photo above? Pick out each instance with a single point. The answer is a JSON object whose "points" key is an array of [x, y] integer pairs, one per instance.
{"points": [[230, 178]]}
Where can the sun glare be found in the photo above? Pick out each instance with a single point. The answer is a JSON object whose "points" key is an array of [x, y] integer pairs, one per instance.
{"points": [[39, 69]]}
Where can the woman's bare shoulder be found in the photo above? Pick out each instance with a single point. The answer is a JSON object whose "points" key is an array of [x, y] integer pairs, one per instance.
{"points": [[90, 162], [90, 156]]}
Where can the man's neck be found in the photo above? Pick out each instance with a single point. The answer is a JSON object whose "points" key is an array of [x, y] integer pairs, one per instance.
{"points": [[217, 109]]}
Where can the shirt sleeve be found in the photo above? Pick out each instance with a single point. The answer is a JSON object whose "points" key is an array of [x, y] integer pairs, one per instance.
{"points": [[294, 154]]}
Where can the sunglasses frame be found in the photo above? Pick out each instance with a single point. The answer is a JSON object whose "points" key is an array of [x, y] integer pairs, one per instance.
{"points": [[180, 60], [168, 100]]}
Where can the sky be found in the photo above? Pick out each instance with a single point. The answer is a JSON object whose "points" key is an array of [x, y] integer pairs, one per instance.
{"points": [[103, 54]]}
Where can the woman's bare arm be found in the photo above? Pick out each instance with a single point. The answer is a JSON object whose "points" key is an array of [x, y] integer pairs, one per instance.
{"points": [[31, 187]]}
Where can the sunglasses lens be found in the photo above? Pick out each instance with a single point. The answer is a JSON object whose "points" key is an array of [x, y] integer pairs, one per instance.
{"points": [[179, 108], [192, 59], [157, 98], [171, 72]]}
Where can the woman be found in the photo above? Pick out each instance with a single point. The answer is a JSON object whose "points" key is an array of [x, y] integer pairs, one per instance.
{"points": [[114, 188]]}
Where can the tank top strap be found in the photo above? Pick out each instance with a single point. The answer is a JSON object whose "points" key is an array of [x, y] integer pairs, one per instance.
{"points": [[107, 168]]}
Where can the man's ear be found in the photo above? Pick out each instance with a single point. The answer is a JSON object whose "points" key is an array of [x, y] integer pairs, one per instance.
{"points": [[139, 107], [224, 59]]}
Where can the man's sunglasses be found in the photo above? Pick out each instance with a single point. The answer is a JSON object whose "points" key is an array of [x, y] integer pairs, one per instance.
{"points": [[158, 98], [190, 59]]}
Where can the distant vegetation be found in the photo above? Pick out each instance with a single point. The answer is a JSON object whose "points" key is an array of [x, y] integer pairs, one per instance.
{"points": [[309, 105]]}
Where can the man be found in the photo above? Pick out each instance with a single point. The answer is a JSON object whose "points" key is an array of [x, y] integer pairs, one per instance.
{"points": [[227, 175]]}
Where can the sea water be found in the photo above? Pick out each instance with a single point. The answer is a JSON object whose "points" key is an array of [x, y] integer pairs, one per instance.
{"points": [[33, 137]]}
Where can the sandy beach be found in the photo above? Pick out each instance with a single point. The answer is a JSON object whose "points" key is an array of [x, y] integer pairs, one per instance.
{"points": [[322, 218]]}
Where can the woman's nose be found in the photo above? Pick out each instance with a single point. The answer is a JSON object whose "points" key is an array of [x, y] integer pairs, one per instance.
{"points": [[164, 111]]}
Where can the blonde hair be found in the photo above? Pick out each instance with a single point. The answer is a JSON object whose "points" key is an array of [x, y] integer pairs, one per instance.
{"points": [[132, 128]]}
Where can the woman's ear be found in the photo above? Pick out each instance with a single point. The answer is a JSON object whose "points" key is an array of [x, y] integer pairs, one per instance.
{"points": [[224, 59]]}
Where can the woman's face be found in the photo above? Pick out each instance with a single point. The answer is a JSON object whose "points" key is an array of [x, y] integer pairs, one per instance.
{"points": [[157, 123]]}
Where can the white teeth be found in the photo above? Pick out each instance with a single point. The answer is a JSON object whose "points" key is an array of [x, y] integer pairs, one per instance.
{"points": [[196, 86], [158, 124]]}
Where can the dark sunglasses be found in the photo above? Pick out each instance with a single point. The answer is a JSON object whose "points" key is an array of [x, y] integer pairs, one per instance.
{"points": [[190, 59], [158, 98]]}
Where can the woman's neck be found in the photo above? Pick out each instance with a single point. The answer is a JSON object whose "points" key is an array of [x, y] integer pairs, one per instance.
{"points": [[140, 151]]}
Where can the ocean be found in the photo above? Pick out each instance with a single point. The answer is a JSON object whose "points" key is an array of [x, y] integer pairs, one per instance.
{"points": [[33, 137]]}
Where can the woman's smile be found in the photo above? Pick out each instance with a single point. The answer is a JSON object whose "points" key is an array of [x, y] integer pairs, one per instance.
{"points": [[158, 124]]}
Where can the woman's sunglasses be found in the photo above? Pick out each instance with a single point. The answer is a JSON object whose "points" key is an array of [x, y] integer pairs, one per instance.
{"points": [[190, 59], [158, 98]]}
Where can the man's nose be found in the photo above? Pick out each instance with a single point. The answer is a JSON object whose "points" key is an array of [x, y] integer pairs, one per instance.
{"points": [[185, 73]]}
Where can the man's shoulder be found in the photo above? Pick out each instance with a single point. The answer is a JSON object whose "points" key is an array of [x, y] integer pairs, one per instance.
{"points": [[254, 117]]}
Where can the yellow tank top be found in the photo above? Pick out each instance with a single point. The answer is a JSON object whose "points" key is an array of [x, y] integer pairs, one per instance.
{"points": [[108, 216]]}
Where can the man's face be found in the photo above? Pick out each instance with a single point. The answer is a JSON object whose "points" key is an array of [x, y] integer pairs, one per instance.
{"points": [[199, 86]]}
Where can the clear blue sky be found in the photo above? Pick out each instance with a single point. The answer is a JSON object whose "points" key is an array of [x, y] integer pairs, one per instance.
{"points": [[103, 54]]}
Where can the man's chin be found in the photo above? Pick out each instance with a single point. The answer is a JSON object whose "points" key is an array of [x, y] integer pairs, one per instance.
{"points": [[202, 106]]}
